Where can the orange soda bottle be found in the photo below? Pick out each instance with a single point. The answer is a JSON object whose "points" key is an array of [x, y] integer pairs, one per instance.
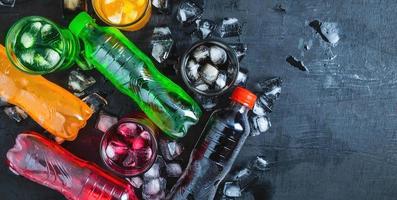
{"points": [[55, 109]]}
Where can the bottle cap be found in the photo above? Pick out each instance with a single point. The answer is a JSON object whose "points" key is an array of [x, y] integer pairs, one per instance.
{"points": [[80, 22], [244, 96]]}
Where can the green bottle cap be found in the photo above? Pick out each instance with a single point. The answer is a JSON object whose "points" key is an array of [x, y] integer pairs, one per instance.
{"points": [[80, 22]]}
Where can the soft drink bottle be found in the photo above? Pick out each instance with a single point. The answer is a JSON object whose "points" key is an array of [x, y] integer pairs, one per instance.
{"points": [[134, 74], [217, 149], [47, 163], [55, 109]]}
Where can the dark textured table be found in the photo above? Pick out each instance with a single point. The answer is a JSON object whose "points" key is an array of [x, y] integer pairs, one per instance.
{"points": [[334, 133]]}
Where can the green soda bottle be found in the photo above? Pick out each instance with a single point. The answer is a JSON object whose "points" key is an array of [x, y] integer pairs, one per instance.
{"points": [[134, 74]]}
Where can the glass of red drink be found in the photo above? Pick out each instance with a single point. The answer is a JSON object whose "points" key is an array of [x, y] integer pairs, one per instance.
{"points": [[129, 147]]}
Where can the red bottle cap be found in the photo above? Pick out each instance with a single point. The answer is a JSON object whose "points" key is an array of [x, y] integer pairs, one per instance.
{"points": [[244, 96]]}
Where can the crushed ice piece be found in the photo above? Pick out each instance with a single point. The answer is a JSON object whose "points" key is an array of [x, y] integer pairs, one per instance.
{"points": [[242, 78], [296, 63], [78, 81], [232, 189], [170, 149], [174, 169], [188, 12], [240, 49], [220, 82], [209, 73], [259, 124], [201, 53], [218, 55], [229, 27], [205, 27], [136, 181], [330, 31], [95, 101], [161, 43], [8, 3], [15, 113], [105, 121], [192, 70], [259, 164], [163, 6], [242, 173], [208, 103]]}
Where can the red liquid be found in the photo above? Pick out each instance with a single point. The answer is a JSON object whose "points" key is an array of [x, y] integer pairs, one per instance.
{"points": [[129, 148], [47, 163]]}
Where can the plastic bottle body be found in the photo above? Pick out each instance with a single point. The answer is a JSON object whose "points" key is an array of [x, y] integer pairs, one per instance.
{"points": [[135, 75], [55, 109], [47, 163], [214, 154]]}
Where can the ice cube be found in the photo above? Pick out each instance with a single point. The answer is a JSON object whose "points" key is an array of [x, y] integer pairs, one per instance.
{"points": [[95, 101], [269, 90], [138, 143], [218, 55], [105, 121], [259, 124], [130, 160], [259, 164], [188, 12], [8, 3], [128, 129], [27, 56], [163, 6], [229, 27], [49, 34], [242, 173], [173, 169], [240, 49], [202, 87], [135, 181], [209, 73], [115, 149], [220, 82], [35, 27], [78, 81], [232, 189], [41, 62], [15, 113], [192, 70], [170, 149], [161, 43], [27, 40], [201, 53], [205, 27], [155, 170], [242, 78], [154, 186], [52, 57], [330, 31]]}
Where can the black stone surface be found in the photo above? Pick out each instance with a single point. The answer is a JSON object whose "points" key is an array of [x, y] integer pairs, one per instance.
{"points": [[334, 133]]}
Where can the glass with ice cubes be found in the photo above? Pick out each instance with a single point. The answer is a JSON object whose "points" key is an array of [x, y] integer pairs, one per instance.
{"points": [[129, 148], [36, 45], [209, 68]]}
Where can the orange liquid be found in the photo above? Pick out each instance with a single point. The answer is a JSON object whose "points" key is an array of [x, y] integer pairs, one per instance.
{"points": [[55, 109], [128, 15]]}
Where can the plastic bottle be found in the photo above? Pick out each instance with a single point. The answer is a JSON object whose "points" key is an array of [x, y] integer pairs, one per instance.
{"points": [[217, 149], [134, 74], [45, 162], [55, 109]]}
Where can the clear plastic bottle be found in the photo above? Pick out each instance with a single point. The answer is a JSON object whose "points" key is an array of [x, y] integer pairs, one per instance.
{"points": [[134, 74], [45, 162], [215, 152]]}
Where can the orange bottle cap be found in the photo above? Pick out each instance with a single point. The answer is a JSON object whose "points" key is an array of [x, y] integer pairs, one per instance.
{"points": [[244, 96]]}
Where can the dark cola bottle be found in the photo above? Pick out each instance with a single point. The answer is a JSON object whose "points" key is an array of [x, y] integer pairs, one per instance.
{"points": [[217, 149]]}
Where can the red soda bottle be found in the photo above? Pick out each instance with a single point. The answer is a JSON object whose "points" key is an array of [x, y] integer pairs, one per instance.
{"points": [[47, 163], [217, 149]]}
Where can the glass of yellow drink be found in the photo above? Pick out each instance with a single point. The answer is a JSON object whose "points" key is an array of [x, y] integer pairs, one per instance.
{"points": [[129, 15]]}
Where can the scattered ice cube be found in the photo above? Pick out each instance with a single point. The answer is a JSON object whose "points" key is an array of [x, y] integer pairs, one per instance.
{"points": [[240, 49], [155, 170], [174, 169], [78, 81], [229, 27], [232, 189], [95, 101], [15, 113], [220, 82], [269, 90], [163, 6], [170, 149], [259, 124], [188, 12], [27, 40], [242, 78], [8, 3], [192, 70], [162, 43], [105, 121], [52, 57], [135, 181], [218, 55], [242, 173], [205, 27], [152, 186], [259, 164], [330, 31], [209, 73], [201, 53]]}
